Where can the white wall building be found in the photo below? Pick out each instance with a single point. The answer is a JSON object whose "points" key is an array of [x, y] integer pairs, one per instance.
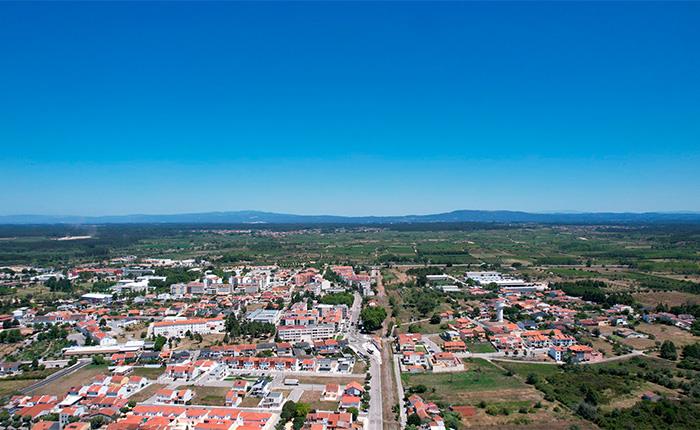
{"points": [[179, 327], [306, 333]]}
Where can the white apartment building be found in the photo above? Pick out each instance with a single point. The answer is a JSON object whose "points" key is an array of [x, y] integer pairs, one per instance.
{"points": [[306, 333], [179, 327]]}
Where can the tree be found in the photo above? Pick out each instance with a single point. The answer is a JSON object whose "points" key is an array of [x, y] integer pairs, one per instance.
{"points": [[452, 420], [425, 304], [587, 411], [289, 409], [302, 409], [372, 317], [62, 285], [435, 319], [695, 328], [414, 420], [668, 350], [354, 412], [159, 343]]}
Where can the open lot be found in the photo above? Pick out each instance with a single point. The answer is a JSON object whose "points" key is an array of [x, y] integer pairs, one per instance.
{"points": [[459, 388], [659, 332], [665, 332], [11, 387], [147, 392], [313, 398], [82, 377], [670, 298], [322, 380], [212, 396], [151, 373], [480, 347], [501, 401]]}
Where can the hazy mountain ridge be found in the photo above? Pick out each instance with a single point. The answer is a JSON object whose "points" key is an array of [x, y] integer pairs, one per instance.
{"points": [[237, 217]]}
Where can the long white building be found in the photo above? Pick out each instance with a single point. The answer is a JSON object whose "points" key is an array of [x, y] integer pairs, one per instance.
{"points": [[178, 328], [306, 333]]}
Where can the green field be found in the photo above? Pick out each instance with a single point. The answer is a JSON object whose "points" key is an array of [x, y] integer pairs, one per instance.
{"points": [[480, 347], [479, 376]]}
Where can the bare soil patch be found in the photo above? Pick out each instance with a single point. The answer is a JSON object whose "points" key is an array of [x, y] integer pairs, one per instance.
{"points": [[313, 398], [82, 377], [670, 298], [147, 393]]}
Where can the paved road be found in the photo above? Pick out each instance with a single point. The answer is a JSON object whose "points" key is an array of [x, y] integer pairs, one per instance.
{"points": [[55, 376]]}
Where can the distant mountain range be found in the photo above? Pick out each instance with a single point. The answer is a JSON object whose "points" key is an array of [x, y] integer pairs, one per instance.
{"points": [[254, 217]]}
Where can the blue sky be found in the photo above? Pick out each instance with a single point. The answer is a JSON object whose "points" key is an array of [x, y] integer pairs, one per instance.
{"points": [[349, 108]]}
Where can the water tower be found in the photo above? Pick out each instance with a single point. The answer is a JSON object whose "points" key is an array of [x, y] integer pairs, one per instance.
{"points": [[499, 311]]}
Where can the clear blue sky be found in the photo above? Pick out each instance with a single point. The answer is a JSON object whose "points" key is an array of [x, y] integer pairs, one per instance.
{"points": [[342, 108]]}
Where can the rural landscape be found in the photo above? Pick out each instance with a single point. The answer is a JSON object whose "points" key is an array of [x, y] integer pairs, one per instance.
{"points": [[454, 325], [349, 215]]}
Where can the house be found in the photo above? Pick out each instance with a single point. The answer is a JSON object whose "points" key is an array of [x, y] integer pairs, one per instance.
{"points": [[174, 397], [272, 400], [455, 346], [347, 401], [78, 425], [9, 368], [328, 421], [582, 353], [407, 341], [414, 358], [233, 398], [331, 392], [557, 353], [46, 425], [260, 388], [354, 388], [446, 359]]}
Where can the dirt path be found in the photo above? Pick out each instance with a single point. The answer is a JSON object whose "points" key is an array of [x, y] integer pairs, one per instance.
{"points": [[389, 395], [389, 389]]}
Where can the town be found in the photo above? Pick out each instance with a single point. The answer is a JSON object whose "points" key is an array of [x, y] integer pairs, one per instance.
{"points": [[162, 343]]}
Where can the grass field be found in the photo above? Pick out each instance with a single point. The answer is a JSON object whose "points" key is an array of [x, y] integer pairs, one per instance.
{"points": [[151, 373], [480, 375], [11, 387], [480, 347], [211, 396]]}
